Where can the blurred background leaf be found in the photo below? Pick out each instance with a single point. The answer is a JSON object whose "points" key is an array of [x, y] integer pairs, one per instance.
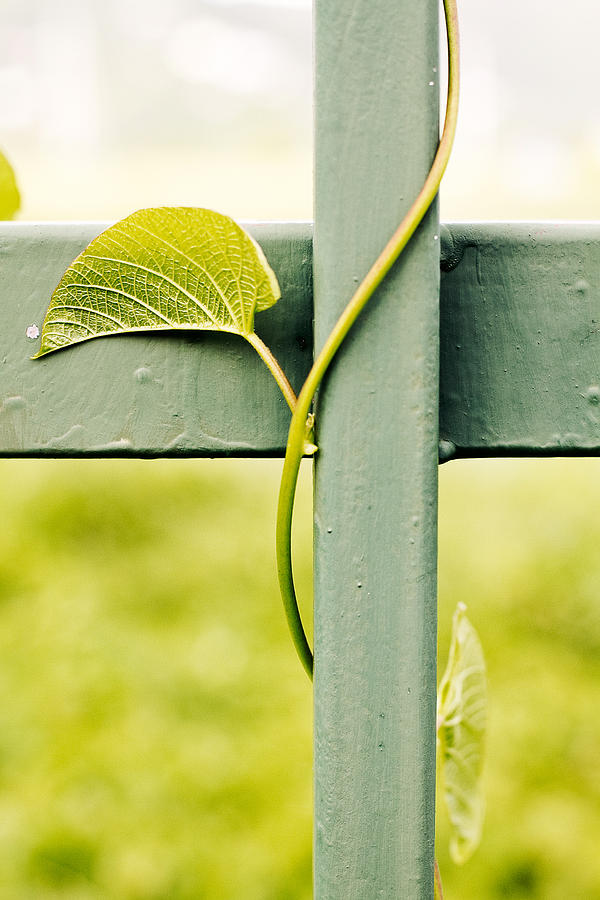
{"points": [[10, 200], [154, 722], [461, 721]]}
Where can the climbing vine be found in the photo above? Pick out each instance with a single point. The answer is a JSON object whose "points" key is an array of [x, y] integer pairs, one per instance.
{"points": [[187, 268]]}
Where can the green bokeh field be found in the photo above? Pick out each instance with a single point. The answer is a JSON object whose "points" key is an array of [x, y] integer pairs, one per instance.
{"points": [[519, 544], [155, 726], [154, 723]]}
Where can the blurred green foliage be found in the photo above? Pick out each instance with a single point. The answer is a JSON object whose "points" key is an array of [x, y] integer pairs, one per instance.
{"points": [[519, 544], [155, 725]]}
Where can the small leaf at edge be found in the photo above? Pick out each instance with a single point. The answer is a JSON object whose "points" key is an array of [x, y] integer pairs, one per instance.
{"points": [[462, 701], [10, 200]]}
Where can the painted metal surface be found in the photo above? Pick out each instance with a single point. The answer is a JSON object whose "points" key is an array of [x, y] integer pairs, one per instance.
{"points": [[163, 395], [520, 339], [520, 374], [375, 477], [520, 353]]}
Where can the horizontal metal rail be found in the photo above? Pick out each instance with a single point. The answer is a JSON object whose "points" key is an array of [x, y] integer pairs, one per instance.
{"points": [[184, 394], [520, 340], [520, 353]]}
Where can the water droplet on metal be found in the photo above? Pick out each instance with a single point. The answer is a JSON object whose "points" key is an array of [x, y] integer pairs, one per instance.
{"points": [[593, 394], [143, 375]]}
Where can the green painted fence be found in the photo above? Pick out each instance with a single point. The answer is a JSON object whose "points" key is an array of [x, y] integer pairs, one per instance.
{"points": [[519, 348], [502, 358]]}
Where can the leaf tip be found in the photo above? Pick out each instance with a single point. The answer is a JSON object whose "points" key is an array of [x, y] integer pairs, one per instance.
{"points": [[44, 348]]}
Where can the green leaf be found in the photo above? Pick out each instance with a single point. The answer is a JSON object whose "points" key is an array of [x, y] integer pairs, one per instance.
{"points": [[462, 703], [172, 267], [10, 200]]}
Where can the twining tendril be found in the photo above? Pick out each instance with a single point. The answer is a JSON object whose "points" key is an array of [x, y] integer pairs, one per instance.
{"points": [[299, 439]]}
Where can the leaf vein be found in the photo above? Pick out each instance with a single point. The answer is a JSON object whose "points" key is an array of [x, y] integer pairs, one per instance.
{"points": [[194, 263], [166, 278], [103, 287]]}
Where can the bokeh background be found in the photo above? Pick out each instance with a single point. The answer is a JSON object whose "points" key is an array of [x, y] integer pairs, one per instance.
{"points": [[155, 726]]}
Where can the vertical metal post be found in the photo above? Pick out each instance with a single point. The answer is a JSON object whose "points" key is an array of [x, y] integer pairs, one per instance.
{"points": [[376, 472]]}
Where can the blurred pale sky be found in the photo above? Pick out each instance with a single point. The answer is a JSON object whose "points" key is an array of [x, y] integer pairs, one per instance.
{"points": [[109, 105], [528, 143]]}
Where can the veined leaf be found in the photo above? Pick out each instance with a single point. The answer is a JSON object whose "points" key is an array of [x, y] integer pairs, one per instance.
{"points": [[171, 267], [462, 701], [10, 200]]}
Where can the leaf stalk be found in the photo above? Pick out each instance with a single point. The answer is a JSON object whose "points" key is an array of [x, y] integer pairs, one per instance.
{"points": [[274, 367]]}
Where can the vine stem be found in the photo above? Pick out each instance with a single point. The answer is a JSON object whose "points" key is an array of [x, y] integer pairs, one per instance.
{"points": [[298, 433], [274, 367]]}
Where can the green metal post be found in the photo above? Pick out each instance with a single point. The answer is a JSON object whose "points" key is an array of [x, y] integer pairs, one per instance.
{"points": [[376, 470]]}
